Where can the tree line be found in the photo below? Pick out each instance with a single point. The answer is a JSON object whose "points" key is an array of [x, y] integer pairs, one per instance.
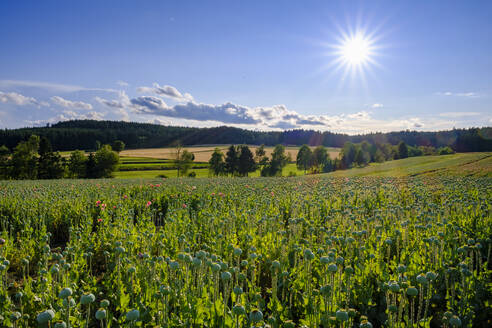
{"points": [[239, 160], [85, 134], [364, 153], [35, 159]]}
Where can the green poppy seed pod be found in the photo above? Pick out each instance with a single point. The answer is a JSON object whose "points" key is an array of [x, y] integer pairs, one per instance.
{"points": [[393, 308], [188, 258], [350, 240], [174, 265], [394, 287], [448, 315], [244, 263], [365, 324], [25, 261], [131, 270], [196, 262], [14, 316], [352, 312], [271, 321], [133, 315], [308, 254], [2, 267], [388, 241], [2, 241], [118, 244], [119, 249], [201, 254], [276, 265], [252, 256], [238, 309], [333, 268], [455, 321], [340, 260], [431, 275], [342, 315], [471, 241], [224, 266], [324, 260], [104, 303], [60, 324], [238, 290], [412, 291], [101, 314], [421, 279], [256, 316], [46, 248], [289, 324], [349, 270], [238, 251], [45, 316], [87, 299], [65, 292], [54, 270], [66, 266], [215, 267], [18, 295], [68, 302], [241, 276], [325, 290], [226, 276], [401, 268]]}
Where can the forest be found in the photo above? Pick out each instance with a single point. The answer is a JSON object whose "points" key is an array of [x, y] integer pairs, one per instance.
{"points": [[87, 134]]}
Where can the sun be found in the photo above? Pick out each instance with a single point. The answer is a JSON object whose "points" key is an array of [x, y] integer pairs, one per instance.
{"points": [[355, 50]]}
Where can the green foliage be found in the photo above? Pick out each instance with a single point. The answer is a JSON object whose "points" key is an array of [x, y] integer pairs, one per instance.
{"points": [[118, 146], [285, 252], [4, 162], [402, 150], [216, 163], [445, 151], [277, 162], [106, 162], [246, 161], [77, 164], [348, 153], [304, 158], [232, 160]]}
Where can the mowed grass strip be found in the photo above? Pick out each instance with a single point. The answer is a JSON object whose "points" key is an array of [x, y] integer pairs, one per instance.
{"points": [[289, 169]]}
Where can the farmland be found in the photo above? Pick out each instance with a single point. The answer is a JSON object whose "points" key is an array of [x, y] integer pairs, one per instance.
{"points": [[314, 251], [203, 153]]}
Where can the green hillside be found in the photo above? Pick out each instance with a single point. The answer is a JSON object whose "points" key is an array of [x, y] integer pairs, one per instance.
{"points": [[462, 164]]}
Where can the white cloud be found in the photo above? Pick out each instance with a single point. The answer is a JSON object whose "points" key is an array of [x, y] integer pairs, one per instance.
{"points": [[459, 94], [459, 114], [166, 91], [377, 105], [18, 99], [67, 116], [70, 104], [122, 83], [53, 87]]}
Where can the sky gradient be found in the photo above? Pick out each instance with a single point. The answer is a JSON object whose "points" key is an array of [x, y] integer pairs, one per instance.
{"points": [[265, 65]]}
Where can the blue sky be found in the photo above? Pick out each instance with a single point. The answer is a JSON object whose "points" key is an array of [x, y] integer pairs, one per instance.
{"points": [[252, 64]]}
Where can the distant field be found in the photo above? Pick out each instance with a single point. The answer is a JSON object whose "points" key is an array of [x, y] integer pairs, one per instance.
{"points": [[463, 164], [203, 153], [200, 173]]}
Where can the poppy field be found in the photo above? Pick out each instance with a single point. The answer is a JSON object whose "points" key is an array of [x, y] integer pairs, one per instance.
{"points": [[313, 251]]}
